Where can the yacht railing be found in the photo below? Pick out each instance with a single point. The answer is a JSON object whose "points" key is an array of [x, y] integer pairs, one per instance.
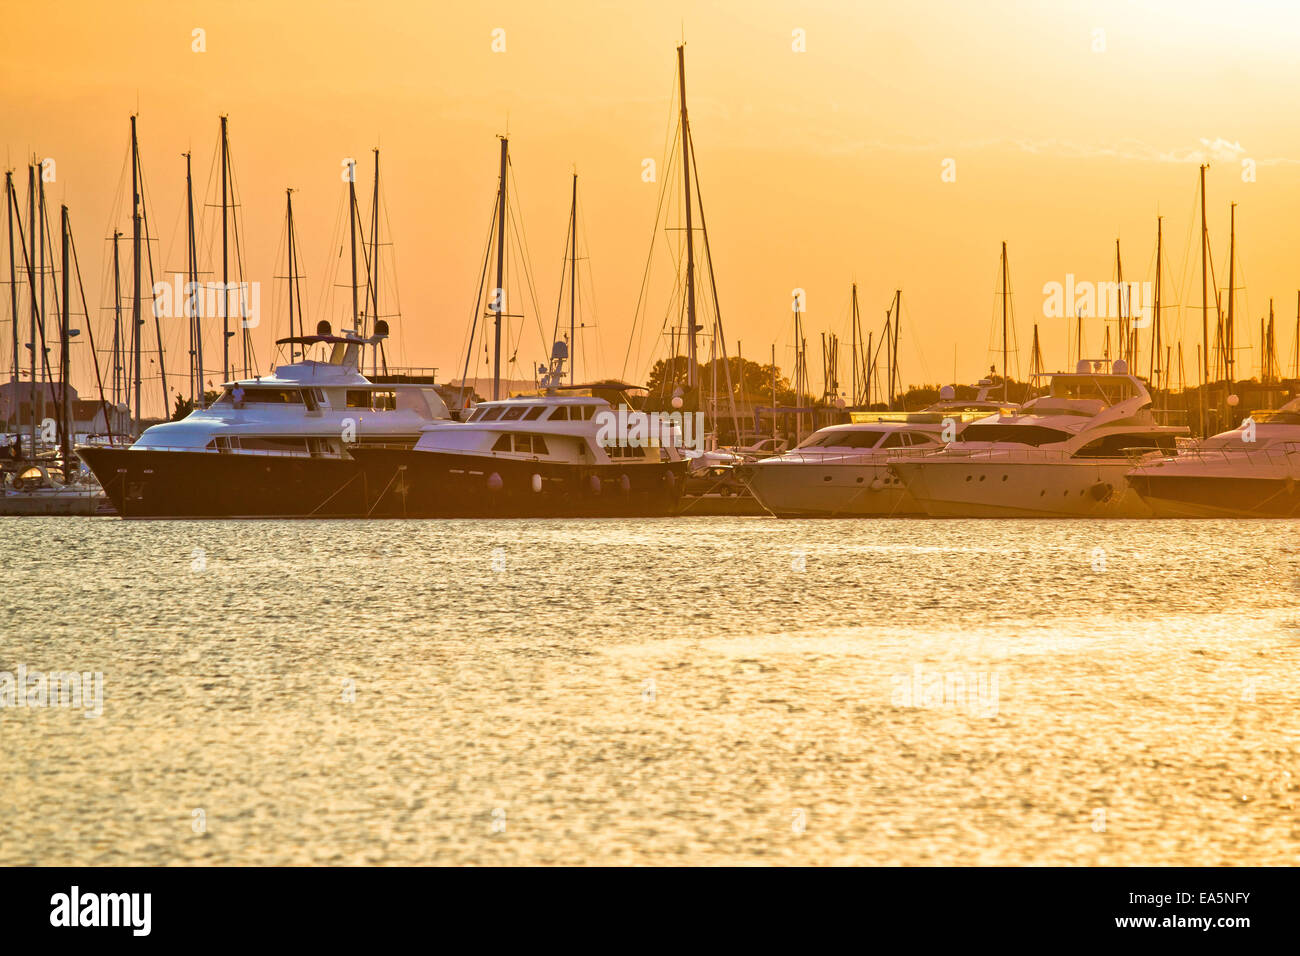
{"points": [[1024, 455], [231, 452], [866, 457], [1275, 453]]}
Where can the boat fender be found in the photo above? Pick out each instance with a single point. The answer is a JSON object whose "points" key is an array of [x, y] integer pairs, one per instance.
{"points": [[494, 482], [595, 484], [670, 479], [1102, 491], [537, 482], [877, 484], [625, 484], [1290, 486], [17, 483]]}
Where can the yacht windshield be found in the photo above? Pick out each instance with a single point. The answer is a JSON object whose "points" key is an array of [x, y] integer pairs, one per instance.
{"points": [[843, 439], [1111, 391], [1033, 435]]}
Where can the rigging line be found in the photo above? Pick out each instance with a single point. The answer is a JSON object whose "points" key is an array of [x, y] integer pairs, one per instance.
{"points": [[330, 271], [90, 332], [1184, 284], [594, 309], [719, 333], [478, 304], [246, 338], [516, 222], [914, 344], [149, 241], [43, 218], [666, 164], [564, 261], [393, 271], [635, 339]]}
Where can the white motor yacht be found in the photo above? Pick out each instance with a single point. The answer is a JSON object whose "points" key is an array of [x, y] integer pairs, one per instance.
{"points": [[1252, 470], [843, 471], [1064, 454]]}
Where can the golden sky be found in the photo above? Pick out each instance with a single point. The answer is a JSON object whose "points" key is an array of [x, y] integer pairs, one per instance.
{"points": [[817, 167]]}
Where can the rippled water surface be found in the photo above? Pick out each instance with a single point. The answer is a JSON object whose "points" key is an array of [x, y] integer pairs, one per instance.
{"points": [[705, 690]]}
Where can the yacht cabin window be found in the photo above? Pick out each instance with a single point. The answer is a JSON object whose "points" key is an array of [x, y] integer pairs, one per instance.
{"points": [[490, 414], [534, 413], [560, 413], [254, 395], [521, 443], [513, 412], [373, 399]]}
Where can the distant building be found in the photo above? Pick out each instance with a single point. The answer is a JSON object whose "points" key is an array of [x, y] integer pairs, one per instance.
{"points": [[88, 417]]}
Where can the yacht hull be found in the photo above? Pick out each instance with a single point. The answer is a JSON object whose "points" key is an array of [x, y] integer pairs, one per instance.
{"points": [[1218, 496], [423, 484], [810, 489], [143, 483], [989, 488]]}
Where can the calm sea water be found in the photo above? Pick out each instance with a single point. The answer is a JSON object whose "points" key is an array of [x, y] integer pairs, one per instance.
{"points": [[704, 691]]}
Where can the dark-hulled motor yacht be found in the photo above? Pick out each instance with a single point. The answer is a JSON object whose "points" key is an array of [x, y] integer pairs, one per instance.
{"points": [[557, 454], [273, 446]]}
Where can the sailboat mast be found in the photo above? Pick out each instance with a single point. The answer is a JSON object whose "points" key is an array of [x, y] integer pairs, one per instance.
{"points": [[573, 278], [193, 298], [225, 263], [690, 236], [118, 378], [65, 407], [288, 219], [499, 296], [373, 279], [1155, 332], [10, 204], [31, 282], [854, 343], [1005, 392], [1205, 288], [1228, 336], [898, 328], [1123, 324], [45, 356], [352, 241], [136, 321]]}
